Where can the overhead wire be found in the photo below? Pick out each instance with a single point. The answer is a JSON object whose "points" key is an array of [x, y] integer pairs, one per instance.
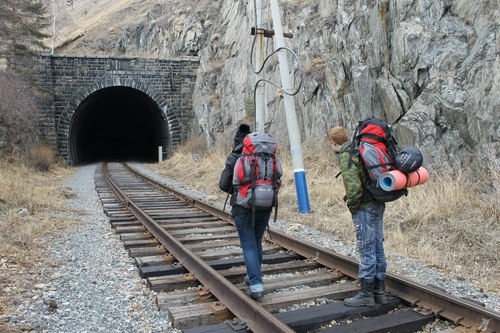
{"points": [[259, 70]]}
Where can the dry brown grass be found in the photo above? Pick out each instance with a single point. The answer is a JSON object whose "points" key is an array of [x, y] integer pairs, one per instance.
{"points": [[42, 157], [104, 20], [448, 223], [30, 209]]}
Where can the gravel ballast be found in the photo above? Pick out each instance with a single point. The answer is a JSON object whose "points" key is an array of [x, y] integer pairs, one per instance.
{"points": [[94, 285]]}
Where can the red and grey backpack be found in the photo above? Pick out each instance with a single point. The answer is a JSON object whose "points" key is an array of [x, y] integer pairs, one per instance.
{"points": [[257, 173], [376, 147]]}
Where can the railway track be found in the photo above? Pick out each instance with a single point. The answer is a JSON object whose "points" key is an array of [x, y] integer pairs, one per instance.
{"points": [[189, 253]]}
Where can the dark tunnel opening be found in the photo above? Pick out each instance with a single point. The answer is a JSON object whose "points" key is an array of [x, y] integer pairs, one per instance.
{"points": [[117, 124]]}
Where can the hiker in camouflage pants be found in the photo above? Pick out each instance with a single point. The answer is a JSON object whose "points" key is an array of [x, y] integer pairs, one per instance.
{"points": [[367, 216]]}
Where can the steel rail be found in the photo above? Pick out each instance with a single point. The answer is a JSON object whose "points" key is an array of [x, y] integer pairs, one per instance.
{"points": [[181, 196], [256, 317], [459, 311]]}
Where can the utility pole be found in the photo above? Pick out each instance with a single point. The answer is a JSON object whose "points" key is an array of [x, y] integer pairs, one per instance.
{"points": [[260, 102], [291, 117]]}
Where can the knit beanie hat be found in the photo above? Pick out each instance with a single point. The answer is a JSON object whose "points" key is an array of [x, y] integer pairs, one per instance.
{"points": [[338, 135], [242, 131]]}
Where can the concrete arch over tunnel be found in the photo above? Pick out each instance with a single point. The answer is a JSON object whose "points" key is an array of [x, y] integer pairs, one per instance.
{"points": [[117, 123]]}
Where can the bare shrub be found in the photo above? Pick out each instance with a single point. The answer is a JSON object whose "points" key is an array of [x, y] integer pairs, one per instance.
{"points": [[250, 109], [195, 147], [223, 142], [18, 113], [42, 157]]}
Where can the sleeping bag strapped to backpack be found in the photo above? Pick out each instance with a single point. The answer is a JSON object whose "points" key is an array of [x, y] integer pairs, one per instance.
{"points": [[375, 145], [257, 172]]}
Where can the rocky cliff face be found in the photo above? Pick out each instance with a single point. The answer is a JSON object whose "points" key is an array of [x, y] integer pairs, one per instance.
{"points": [[430, 67]]}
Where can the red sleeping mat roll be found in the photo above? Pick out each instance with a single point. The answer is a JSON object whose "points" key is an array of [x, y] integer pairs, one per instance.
{"points": [[397, 180]]}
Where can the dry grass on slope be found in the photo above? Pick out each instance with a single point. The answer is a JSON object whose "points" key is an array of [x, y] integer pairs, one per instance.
{"points": [[95, 23], [30, 207], [447, 223]]}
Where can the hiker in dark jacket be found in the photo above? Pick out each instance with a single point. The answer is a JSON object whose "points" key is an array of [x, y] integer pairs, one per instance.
{"points": [[226, 177], [250, 235], [367, 216]]}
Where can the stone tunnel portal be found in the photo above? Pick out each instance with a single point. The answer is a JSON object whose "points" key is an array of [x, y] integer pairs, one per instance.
{"points": [[117, 124]]}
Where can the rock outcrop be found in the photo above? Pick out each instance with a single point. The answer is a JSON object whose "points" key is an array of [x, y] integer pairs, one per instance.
{"points": [[430, 67]]}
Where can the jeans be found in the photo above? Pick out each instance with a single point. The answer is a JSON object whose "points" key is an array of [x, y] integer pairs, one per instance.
{"points": [[251, 244], [369, 224]]}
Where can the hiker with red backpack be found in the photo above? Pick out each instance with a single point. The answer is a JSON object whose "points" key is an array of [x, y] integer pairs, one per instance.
{"points": [[368, 217], [364, 163], [252, 177]]}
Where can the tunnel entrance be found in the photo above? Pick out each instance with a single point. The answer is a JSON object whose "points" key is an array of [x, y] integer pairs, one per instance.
{"points": [[117, 124]]}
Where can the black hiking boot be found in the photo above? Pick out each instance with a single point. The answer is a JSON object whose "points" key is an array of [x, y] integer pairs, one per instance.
{"points": [[379, 291], [364, 297]]}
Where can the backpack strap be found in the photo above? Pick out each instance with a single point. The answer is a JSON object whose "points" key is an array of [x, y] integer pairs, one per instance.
{"points": [[354, 142], [275, 196], [275, 187], [225, 202], [253, 176]]}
